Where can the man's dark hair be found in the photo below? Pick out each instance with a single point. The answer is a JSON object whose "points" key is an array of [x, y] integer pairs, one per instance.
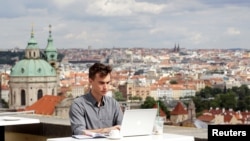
{"points": [[100, 68]]}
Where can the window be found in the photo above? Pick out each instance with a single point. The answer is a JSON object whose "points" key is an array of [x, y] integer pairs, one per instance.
{"points": [[23, 98], [14, 98], [39, 94], [22, 70]]}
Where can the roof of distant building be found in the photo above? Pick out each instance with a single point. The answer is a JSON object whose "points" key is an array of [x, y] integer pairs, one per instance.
{"points": [[45, 105], [179, 109]]}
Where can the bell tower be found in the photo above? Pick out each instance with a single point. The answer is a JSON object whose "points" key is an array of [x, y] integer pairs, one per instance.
{"points": [[51, 54]]}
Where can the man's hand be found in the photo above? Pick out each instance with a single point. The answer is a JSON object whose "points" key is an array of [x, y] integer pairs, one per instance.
{"points": [[117, 127], [103, 130], [107, 130]]}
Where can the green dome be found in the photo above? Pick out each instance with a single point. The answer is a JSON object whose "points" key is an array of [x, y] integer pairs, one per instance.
{"points": [[32, 42], [32, 67]]}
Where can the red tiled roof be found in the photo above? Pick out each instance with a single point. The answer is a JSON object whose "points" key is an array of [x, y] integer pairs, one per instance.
{"points": [[179, 109], [227, 118], [162, 113], [215, 111], [206, 118], [45, 105]]}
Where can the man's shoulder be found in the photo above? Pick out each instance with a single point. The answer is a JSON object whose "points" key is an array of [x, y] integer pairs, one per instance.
{"points": [[80, 98], [111, 99]]}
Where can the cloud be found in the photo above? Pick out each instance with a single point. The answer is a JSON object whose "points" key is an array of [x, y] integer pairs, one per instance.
{"points": [[233, 31], [127, 23], [11, 10], [122, 7], [63, 3], [196, 38]]}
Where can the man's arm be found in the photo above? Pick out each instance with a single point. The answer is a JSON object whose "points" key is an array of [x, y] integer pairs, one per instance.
{"points": [[77, 121], [102, 130]]}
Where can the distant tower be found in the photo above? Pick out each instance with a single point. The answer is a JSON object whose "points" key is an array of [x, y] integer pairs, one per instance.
{"points": [[51, 57], [174, 47], [50, 51], [191, 110], [178, 48], [89, 49]]}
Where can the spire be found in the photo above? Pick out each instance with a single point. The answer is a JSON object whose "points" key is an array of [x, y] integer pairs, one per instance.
{"points": [[32, 42], [50, 31], [32, 31], [175, 47], [50, 36], [32, 50], [50, 46], [50, 51]]}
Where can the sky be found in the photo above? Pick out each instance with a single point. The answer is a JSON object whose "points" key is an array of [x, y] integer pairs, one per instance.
{"points": [[191, 24]]}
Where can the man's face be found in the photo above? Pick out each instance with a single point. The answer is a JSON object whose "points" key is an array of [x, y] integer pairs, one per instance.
{"points": [[100, 85]]}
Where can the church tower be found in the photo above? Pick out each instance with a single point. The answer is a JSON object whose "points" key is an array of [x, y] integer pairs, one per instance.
{"points": [[31, 78], [50, 51], [32, 51], [51, 57]]}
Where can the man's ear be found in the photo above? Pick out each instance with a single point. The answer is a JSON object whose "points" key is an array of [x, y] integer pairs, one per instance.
{"points": [[90, 81]]}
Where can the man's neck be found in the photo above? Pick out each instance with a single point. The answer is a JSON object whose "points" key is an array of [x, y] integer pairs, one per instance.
{"points": [[97, 97]]}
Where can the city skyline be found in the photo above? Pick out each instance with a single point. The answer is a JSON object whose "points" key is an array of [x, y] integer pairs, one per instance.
{"points": [[193, 24]]}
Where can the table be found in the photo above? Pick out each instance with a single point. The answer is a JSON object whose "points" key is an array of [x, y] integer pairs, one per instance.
{"points": [[13, 120], [162, 137]]}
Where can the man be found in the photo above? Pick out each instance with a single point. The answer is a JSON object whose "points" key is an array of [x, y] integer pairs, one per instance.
{"points": [[94, 111]]}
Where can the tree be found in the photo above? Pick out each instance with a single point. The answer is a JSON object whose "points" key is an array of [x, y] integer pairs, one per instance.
{"points": [[164, 108], [118, 96], [215, 102], [148, 103], [237, 98], [200, 104], [225, 89], [247, 101], [205, 93], [228, 101]]}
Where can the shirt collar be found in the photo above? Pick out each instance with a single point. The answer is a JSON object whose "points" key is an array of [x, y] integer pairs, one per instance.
{"points": [[93, 101]]}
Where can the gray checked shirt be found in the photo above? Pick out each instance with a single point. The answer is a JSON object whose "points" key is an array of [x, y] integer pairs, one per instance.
{"points": [[85, 114]]}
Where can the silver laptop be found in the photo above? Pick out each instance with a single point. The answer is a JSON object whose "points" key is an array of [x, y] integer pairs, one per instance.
{"points": [[138, 122]]}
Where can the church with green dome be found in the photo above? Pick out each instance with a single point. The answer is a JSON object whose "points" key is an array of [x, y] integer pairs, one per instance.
{"points": [[35, 75]]}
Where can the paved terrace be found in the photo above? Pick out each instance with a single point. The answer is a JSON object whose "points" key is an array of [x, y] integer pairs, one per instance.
{"points": [[51, 127]]}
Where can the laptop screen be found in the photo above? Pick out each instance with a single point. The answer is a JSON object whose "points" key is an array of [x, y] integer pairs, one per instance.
{"points": [[137, 122]]}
